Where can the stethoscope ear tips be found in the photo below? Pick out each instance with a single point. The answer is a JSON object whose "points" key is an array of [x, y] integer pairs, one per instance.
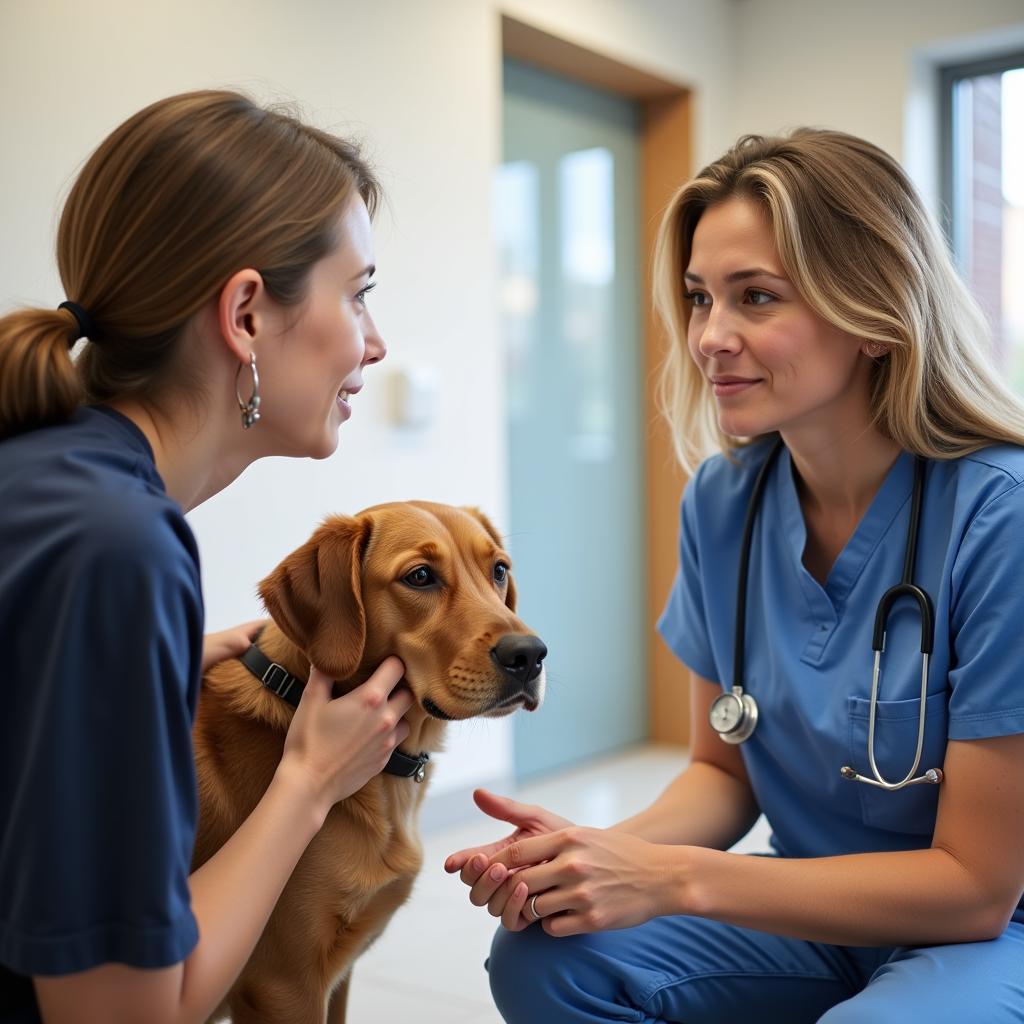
{"points": [[933, 775]]}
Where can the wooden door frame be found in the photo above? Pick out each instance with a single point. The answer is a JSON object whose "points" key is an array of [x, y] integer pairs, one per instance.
{"points": [[666, 162]]}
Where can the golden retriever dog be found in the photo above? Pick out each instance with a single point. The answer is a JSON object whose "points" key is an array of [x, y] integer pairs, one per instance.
{"points": [[429, 583]]}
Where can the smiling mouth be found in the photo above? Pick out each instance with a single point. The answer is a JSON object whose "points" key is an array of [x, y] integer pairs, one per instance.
{"points": [[724, 388]]}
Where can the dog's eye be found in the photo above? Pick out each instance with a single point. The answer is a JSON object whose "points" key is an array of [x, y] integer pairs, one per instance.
{"points": [[420, 577], [500, 572]]}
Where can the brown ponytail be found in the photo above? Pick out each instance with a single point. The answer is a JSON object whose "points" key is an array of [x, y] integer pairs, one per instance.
{"points": [[177, 199], [38, 380]]}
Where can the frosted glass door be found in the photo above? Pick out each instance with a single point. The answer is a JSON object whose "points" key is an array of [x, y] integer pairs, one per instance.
{"points": [[566, 209]]}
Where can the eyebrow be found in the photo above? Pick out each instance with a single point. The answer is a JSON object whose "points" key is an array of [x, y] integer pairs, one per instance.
{"points": [[737, 275], [429, 550], [365, 272]]}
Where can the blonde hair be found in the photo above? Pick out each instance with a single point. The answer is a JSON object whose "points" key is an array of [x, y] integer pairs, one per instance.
{"points": [[178, 198], [859, 246]]}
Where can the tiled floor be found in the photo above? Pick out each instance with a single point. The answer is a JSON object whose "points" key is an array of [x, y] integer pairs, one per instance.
{"points": [[428, 966]]}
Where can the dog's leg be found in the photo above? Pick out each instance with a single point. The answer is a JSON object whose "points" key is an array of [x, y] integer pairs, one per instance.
{"points": [[338, 1004], [275, 1002]]}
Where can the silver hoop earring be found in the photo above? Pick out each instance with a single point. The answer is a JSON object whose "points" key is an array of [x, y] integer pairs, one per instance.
{"points": [[251, 409]]}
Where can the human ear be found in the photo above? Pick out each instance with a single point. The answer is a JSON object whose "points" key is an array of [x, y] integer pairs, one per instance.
{"points": [[239, 311]]}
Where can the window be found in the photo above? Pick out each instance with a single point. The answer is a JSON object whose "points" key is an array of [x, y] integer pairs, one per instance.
{"points": [[983, 193]]}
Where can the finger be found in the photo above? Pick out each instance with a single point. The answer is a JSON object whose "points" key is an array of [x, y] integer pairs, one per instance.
{"points": [[318, 687], [503, 808], [473, 869], [568, 923], [388, 674], [524, 852], [485, 887], [501, 896], [460, 858], [401, 732], [401, 699], [512, 916], [455, 860], [553, 904], [250, 629], [545, 878]]}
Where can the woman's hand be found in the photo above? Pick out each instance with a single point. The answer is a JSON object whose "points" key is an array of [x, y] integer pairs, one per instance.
{"points": [[586, 880], [229, 643], [529, 820], [337, 745], [475, 865]]}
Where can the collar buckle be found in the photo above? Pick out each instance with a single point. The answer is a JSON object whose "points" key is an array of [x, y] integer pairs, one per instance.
{"points": [[278, 680]]}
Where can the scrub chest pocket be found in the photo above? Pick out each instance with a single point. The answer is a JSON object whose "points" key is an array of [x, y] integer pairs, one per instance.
{"points": [[910, 810]]}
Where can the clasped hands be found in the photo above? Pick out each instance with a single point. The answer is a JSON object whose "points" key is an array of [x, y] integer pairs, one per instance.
{"points": [[584, 879]]}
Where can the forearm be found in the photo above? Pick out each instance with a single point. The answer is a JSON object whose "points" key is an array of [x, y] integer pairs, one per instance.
{"points": [[917, 897], [703, 806], [235, 891]]}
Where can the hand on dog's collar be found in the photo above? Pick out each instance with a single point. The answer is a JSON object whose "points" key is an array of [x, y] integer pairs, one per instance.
{"points": [[281, 682]]}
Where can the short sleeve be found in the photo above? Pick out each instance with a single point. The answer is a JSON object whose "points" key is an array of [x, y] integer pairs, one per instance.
{"points": [[99, 785], [987, 616], [683, 623]]}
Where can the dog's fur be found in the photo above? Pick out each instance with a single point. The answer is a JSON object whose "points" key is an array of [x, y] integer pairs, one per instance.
{"points": [[342, 601]]}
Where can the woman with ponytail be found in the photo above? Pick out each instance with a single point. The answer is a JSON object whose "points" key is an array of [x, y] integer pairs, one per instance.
{"points": [[216, 258]]}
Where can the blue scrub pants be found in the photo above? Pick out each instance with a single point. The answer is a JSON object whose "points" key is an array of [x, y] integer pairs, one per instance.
{"points": [[694, 971]]}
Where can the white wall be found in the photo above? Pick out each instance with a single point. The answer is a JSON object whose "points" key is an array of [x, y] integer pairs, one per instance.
{"points": [[420, 81]]}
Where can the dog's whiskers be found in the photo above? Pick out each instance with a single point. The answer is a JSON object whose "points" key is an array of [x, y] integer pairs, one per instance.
{"points": [[470, 691]]}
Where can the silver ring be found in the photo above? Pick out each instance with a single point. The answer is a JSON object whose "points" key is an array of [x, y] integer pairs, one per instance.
{"points": [[533, 907]]}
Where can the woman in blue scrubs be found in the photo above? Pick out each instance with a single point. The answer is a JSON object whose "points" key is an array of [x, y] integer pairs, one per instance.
{"points": [[811, 300]]}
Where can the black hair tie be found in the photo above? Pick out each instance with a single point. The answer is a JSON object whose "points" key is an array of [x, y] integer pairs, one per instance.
{"points": [[86, 328]]}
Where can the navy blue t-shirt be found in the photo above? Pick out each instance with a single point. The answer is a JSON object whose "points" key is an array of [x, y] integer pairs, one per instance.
{"points": [[101, 632]]}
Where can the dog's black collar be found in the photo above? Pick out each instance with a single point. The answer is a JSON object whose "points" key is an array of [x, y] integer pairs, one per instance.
{"points": [[280, 681]]}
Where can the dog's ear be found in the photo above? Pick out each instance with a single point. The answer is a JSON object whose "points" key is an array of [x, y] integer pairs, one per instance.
{"points": [[315, 595], [511, 597]]}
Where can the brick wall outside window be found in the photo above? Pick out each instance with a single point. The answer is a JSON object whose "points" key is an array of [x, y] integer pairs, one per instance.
{"points": [[985, 197], [985, 260]]}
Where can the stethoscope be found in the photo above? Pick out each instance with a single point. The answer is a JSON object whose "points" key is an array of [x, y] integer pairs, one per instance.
{"points": [[733, 715]]}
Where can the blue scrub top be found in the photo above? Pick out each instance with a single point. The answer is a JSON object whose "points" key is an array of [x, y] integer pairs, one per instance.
{"points": [[808, 648]]}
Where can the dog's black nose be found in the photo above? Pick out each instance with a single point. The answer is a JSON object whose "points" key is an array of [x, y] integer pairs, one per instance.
{"points": [[520, 656]]}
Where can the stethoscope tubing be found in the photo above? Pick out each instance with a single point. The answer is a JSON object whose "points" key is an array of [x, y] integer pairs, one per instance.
{"points": [[749, 713]]}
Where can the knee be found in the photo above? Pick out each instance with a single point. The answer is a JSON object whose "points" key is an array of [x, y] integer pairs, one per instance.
{"points": [[842, 1013], [860, 1009], [522, 969]]}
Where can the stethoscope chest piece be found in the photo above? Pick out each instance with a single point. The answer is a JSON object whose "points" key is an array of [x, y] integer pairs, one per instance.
{"points": [[733, 716]]}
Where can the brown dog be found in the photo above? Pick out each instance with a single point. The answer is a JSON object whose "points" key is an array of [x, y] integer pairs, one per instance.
{"points": [[429, 583]]}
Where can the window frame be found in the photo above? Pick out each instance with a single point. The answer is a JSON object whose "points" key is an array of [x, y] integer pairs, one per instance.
{"points": [[949, 76]]}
